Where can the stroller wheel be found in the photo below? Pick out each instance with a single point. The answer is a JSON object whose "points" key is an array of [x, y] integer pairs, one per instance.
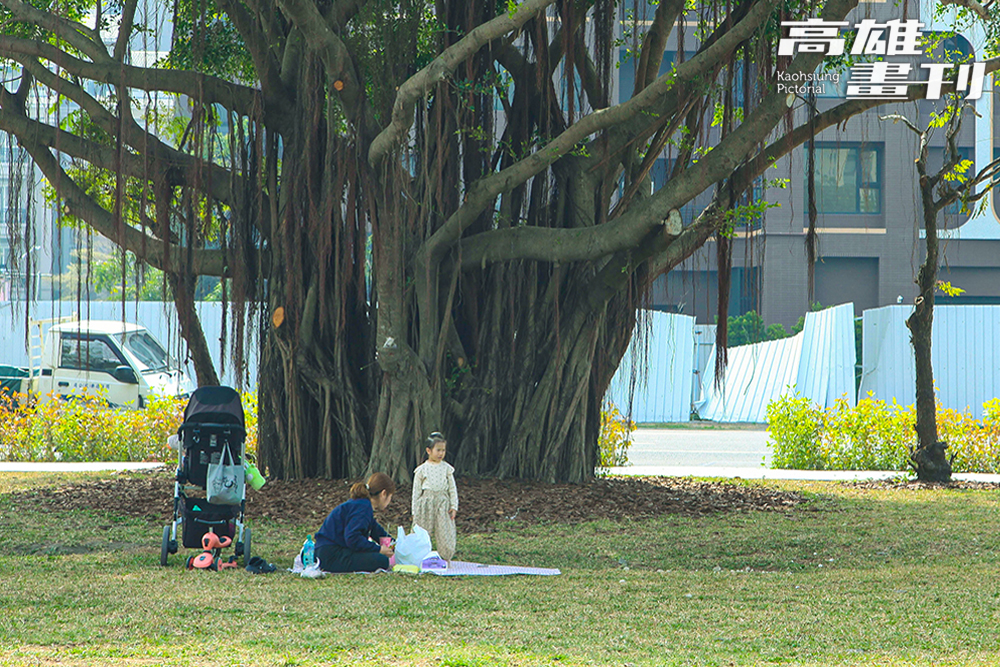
{"points": [[165, 546]]}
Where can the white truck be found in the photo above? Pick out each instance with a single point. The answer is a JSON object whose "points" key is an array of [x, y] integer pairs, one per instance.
{"points": [[122, 362]]}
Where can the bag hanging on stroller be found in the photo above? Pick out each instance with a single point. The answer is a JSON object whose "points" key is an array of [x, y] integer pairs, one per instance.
{"points": [[225, 479]]}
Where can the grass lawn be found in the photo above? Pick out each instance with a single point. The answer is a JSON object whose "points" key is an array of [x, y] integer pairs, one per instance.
{"points": [[853, 577]]}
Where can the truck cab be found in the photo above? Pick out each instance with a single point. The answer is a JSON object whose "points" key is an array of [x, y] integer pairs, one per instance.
{"points": [[121, 361]]}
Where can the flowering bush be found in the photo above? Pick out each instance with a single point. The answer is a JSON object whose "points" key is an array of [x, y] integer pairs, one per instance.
{"points": [[875, 435], [615, 437], [85, 429]]}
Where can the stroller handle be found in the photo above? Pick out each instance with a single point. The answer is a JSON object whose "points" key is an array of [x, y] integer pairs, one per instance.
{"points": [[234, 428]]}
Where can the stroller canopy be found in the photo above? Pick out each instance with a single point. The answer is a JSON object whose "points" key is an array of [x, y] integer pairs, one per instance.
{"points": [[220, 405]]}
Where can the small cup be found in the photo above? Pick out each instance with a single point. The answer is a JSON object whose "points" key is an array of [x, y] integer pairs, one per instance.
{"points": [[387, 542]]}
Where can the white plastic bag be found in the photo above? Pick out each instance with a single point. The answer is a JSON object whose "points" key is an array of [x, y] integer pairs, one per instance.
{"points": [[312, 572], [412, 549], [224, 481]]}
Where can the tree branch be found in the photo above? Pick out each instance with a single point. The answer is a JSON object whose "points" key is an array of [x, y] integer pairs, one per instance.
{"points": [[336, 56], [597, 93], [563, 245], [216, 177], [895, 117], [482, 192], [695, 234], [829, 118], [104, 157], [151, 250], [971, 5], [654, 43], [265, 62], [76, 34], [125, 30], [663, 254], [275, 30], [210, 89], [343, 11], [988, 173], [441, 67]]}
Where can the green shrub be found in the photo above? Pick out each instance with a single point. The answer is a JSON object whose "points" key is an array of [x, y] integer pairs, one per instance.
{"points": [[794, 425], [85, 430], [875, 435], [749, 328], [615, 437], [872, 436]]}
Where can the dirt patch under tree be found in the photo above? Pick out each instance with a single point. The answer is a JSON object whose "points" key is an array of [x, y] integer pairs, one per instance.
{"points": [[483, 502]]}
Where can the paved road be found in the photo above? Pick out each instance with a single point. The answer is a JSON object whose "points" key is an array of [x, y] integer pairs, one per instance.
{"points": [[710, 451], [697, 451], [711, 447]]}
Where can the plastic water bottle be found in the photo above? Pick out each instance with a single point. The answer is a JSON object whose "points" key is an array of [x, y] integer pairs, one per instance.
{"points": [[308, 552]]}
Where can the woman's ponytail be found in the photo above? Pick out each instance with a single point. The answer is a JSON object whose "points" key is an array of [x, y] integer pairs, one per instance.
{"points": [[376, 484]]}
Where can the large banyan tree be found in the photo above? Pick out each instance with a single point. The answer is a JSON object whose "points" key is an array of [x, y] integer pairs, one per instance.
{"points": [[435, 215]]}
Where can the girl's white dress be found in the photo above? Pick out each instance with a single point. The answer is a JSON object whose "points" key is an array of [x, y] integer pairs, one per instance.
{"points": [[434, 494]]}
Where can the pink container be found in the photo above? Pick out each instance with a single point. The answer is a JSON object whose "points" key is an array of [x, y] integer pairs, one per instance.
{"points": [[387, 542]]}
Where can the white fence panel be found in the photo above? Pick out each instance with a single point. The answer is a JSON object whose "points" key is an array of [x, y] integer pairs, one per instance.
{"points": [[818, 363], [826, 372], [656, 375], [755, 375], [963, 355]]}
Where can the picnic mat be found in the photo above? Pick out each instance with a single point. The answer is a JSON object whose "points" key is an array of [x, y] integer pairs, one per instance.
{"points": [[458, 568]]}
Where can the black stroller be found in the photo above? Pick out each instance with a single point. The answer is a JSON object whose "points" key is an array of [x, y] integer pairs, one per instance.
{"points": [[213, 418]]}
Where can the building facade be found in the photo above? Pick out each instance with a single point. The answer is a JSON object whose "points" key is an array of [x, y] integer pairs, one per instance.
{"points": [[869, 225]]}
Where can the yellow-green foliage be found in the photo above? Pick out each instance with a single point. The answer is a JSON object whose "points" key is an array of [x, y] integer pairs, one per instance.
{"points": [[615, 437], [250, 422], [875, 435], [86, 430]]}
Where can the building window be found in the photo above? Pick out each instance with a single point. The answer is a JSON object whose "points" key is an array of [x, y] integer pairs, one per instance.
{"points": [[848, 178]]}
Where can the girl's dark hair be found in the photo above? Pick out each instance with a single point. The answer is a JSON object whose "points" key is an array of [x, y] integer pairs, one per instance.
{"points": [[376, 484], [433, 439]]}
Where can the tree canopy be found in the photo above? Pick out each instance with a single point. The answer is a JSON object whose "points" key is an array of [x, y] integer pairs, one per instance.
{"points": [[435, 215]]}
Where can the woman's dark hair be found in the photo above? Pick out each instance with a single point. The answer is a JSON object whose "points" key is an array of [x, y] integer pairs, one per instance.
{"points": [[377, 483]]}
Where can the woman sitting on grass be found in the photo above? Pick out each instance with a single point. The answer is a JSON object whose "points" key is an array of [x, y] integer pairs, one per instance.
{"points": [[343, 544]]}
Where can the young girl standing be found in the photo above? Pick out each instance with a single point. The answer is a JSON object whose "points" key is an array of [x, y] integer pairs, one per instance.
{"points": [[435, 496]]}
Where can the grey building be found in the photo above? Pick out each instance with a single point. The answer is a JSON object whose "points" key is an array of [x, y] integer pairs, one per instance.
{"points": [[869, 236]]}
